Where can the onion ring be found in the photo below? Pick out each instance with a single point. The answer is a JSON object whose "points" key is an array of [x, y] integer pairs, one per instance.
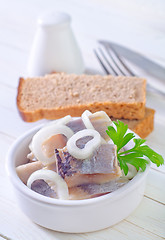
{"points": [[50, 176], [42, 135], [90, 146]]}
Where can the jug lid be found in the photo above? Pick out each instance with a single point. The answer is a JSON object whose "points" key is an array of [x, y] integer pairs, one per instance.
{"points": [[54, 19]]}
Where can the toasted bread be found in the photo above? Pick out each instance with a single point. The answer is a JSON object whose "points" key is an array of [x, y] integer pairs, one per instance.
{"points": [[57, 95], [142, 127]]}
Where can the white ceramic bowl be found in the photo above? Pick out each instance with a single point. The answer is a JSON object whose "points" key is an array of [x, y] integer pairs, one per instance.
{"points": [[75, 216]]}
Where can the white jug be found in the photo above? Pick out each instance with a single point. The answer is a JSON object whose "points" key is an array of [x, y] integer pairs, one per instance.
{"points": [[55, 48]]}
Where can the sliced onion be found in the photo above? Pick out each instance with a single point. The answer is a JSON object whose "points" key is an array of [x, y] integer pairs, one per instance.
{"points": [[52, 177], [62, 121], [90, 146], [85, 119], [87, 122], [42, 135], [102, 113]]}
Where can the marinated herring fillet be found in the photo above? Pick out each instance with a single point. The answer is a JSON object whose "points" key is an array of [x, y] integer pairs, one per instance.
{"points": [[57, 95], [99, 122], [24, 171], [95, 190], [100, 168], [80, 192]]}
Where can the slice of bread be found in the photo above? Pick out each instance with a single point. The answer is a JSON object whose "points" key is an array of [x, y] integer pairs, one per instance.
{"points": [[142, 127], [57, 95]]}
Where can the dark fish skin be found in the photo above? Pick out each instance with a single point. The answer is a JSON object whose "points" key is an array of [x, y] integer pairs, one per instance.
{"points": [[76, 125], [41, 187]]}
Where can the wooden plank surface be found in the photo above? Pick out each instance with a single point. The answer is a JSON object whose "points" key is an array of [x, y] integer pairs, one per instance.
{"points": [[147, 220], [113, 20]]}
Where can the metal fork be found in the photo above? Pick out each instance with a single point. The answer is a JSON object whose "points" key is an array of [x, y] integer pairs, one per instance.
{"points": [[113, 64]]}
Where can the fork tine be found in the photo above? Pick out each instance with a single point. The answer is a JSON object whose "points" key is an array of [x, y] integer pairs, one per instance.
{"points": [[120, 60], [113, 60], [102, 64], [108, 63]]}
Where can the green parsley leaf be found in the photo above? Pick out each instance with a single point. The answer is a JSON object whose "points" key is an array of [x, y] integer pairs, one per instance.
{"points": [[118, 137], [135, 156], [123, 165], [151, 154]]}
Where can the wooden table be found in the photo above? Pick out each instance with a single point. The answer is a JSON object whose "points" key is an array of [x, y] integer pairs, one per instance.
{"points": [[135, 24]]}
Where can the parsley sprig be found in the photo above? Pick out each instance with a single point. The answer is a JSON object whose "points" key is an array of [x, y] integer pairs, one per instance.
{"points": [[139, 155]]}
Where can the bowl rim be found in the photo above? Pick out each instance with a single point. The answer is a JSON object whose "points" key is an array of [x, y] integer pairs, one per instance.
{"points": [[19, 185]]}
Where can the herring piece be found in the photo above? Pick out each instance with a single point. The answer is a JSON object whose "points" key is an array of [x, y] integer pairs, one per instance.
{"points": [[100, 168], [51, 166], [24, 171], [86, 191], [56, 141], [76, 125], [100, 121]]}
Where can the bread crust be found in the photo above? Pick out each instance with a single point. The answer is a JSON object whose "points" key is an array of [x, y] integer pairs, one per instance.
{"points": [[128, 110], [145, 126], [142, 127]]}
